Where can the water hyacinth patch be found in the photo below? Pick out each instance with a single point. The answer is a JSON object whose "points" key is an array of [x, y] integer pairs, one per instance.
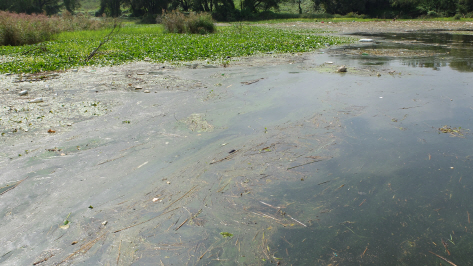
{"points": [[70, 49]]}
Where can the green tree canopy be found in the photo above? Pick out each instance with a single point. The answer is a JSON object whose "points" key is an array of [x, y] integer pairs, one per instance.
{"points": [[51, 7]]}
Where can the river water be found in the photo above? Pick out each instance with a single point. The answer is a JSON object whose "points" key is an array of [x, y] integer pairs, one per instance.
{"points": [[290, 164]]}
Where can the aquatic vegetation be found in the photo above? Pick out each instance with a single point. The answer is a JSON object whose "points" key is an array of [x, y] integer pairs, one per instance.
{"points": [[451, 130], [226, 234], [132, 43]]}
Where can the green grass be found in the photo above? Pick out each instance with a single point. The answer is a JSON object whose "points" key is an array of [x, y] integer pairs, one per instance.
{"points": [[69, 49]]}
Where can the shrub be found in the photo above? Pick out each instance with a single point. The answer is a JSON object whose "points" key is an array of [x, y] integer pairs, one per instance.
{"points": [[457, 17], [176, 22], [69, 22], [149, 19], [432, 14], [201, 23], [20, 29]]}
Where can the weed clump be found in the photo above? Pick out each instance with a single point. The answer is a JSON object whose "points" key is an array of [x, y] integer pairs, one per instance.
{"points": [[20, 29], [177, 22]]}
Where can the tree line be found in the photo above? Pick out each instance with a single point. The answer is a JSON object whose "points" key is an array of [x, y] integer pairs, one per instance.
{"points": [[242, 9], [50, 7]]}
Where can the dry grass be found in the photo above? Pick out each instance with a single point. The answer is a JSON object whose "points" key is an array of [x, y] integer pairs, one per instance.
{"points": [[176, 22], [20, 29]]}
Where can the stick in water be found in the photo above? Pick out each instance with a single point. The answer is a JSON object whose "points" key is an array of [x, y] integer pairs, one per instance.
{"points": [[451, 263], [297, 221]]}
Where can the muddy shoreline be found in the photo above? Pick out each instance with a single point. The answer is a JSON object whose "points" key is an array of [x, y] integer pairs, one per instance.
{"points": [[379, 26]]}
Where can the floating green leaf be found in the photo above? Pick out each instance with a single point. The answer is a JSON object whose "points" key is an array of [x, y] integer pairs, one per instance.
{"points": [[226, 234]]}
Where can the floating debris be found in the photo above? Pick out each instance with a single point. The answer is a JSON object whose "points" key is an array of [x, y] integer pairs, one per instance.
{"points": [[451, 130], [342, 69], [226, 234], [37, 100], [9, 187]]}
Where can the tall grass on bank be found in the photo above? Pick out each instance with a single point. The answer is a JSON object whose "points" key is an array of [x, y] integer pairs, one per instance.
{"points": [[131, 43], [20, 29], [177, 22]]}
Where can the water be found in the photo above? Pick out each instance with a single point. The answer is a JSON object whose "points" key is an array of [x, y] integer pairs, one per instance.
{"points": [[398, 186], [303, 167]]}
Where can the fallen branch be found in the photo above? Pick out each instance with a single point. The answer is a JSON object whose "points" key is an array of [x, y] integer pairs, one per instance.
{"points": [[105, 40], [41, 48]]}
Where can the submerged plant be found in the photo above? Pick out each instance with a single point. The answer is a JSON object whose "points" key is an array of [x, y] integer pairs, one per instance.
{"points": [[451, 130]]}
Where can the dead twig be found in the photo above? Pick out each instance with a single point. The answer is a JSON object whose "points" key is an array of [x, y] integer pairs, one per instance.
{"points": [[303, 164], [105, 40], [144, 221], [12, 186], [181, 224], [366, 249], [83, 249], [181, 197], [42, 48], [119, 248], [296, 220], [43, 260], [451, 263], [226, 158]]}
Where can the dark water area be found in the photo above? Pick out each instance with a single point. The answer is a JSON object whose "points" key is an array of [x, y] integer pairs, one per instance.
{"points": [[399, 191], [449, 49]]}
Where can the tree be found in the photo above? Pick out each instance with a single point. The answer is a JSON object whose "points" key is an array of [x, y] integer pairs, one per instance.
{"points": [[71, 5], [464, 6], [344, 6], [51, 7], [110, 7], [147, 7], [430, 7], [18, 6], [255, 5], [202, 5]]}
